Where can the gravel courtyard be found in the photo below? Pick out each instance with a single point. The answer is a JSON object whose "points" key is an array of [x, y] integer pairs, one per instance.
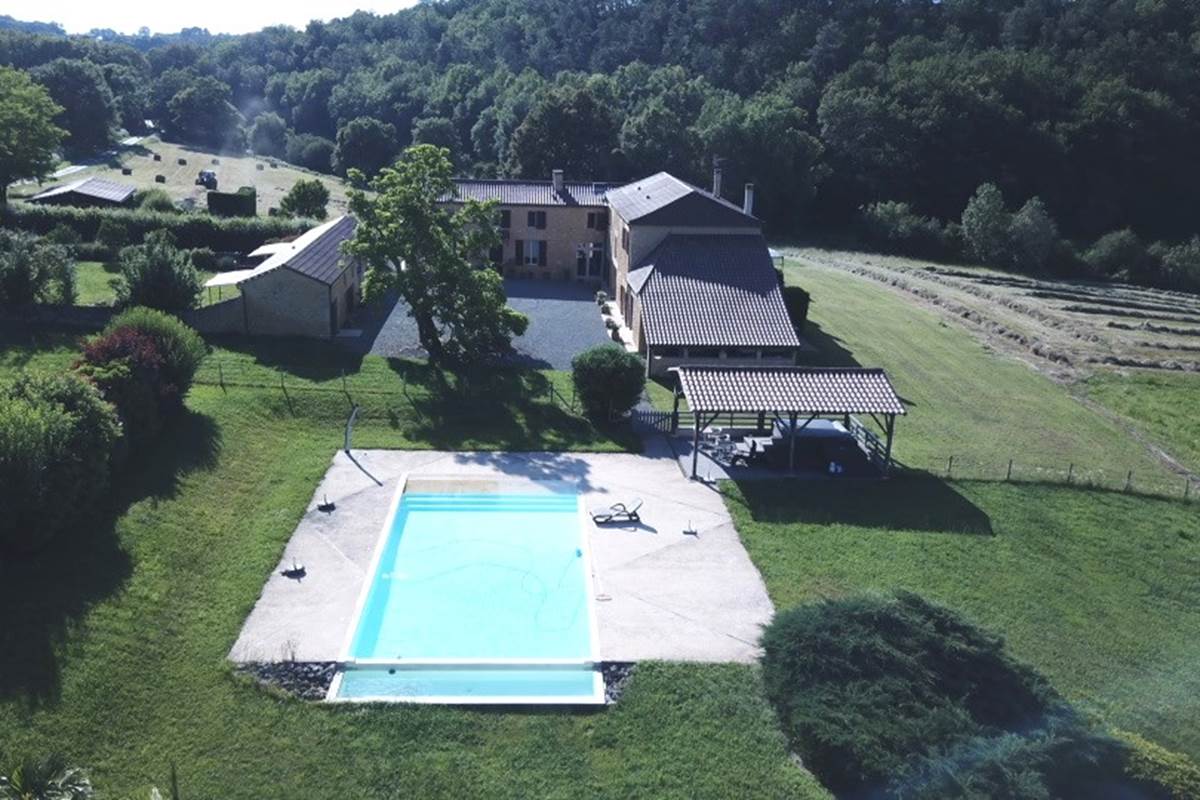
{"points": [[563, 320]]}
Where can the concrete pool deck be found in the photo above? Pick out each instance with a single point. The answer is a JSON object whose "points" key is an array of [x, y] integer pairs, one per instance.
{"points": [[660, 593]]}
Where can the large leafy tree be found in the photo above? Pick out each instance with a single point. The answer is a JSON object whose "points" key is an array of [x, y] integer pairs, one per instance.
{"points": [[365, 144], [203, 114], [306, 198], [28, 135], [89, 111], [430, 255], [571, 128]]}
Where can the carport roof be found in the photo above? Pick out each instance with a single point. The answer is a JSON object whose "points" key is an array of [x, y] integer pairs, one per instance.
{"points": [[804, 390]]}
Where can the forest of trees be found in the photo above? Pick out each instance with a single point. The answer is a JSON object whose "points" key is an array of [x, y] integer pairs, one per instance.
{"points": [[1091, 106]]}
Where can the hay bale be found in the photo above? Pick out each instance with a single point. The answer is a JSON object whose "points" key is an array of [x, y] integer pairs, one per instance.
{"points": [[160, 178], [182, 162], [126, 170], [273, 165], [157, 157], [216, 161], [259, 167]]}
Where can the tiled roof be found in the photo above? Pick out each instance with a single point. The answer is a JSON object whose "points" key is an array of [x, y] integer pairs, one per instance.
{"points": [[806, 390], [529, 193], [322, 258], [663, 199], [713, 291], [315, 253], [91, 187]]}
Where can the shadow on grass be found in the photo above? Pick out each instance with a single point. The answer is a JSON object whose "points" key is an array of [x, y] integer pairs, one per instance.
{"points": [[310, 359], [908, 502], [43, 597], [492, 408], [831, 351]]}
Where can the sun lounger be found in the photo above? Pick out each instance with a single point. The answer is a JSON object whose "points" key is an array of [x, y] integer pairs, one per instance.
{"points": [[618, 512]]}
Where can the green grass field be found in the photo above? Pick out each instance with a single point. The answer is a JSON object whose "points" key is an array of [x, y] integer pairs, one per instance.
{"points": [[115, 642], [1162, 405], [963, 400], [233, 171], [1095, 588]]}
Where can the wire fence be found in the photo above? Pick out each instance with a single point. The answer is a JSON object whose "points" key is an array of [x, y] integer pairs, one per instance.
{"points": [[1159, 483], [375, 396]]}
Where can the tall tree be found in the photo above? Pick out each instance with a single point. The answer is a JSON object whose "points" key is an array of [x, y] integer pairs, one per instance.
{"points": [[203, 114], [431, 255], [88, 109], [365, 144], [28, 135], [571, 129]]}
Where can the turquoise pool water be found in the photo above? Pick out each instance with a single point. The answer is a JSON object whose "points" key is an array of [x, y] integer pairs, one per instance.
{"points": [[489, 579]]}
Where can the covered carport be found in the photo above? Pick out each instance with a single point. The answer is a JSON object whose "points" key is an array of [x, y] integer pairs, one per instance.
{"points": [[793, 398]]}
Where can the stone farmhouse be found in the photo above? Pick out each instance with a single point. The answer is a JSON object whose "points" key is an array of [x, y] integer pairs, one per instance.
{"points": [[689, 271]]}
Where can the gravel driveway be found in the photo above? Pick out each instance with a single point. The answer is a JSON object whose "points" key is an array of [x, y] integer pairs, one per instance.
{"points": [[563, 320]]}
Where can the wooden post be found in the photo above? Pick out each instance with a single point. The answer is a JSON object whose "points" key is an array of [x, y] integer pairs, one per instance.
{"points": [[1071, 472], [792, 444], [949, 466], [695, 444], [887, 455], [675, 412], [1129, 480], [1008, 475]]}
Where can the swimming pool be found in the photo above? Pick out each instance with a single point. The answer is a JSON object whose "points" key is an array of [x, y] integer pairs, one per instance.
{"points": [[478, 594]]}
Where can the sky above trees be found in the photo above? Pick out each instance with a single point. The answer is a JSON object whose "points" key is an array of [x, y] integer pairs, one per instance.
{"points": [[218, 16]]}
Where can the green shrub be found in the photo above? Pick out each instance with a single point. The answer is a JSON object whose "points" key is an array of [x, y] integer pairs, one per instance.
{"points": [[309, 151], [1120, 255], [157, 274], [224, 234], [128, 369], [33, 271], [64, 235], [181, 348], [155, 200], [60, 469], [1173, 774], [204, 259], [1033, 237], [608, 380], [895, 228], [112, 234], [1179, 264], [898, 697], [798, 302], [306, 198]]}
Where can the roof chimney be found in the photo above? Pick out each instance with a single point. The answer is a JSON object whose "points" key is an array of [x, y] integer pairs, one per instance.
{"points": [[716, 190], [748, 202], [556, 177]]}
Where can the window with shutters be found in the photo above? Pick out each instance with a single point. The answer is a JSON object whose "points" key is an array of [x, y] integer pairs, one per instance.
{"points": [[536, 219], [534, 252], [591, 220], [625, 239], [505, 219], [581, 262]]}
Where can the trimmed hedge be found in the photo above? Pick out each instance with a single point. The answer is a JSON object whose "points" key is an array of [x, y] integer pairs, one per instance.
{"points": [[181, 348], [233, 234]]}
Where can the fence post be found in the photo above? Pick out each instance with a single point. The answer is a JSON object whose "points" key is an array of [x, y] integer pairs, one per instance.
{"points": [[949, 466], [1129, 480], [1071, 473], [1008, 475], [220, 374]]}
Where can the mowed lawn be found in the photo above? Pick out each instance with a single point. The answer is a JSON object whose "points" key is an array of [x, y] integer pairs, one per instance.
{"points": [[963, 400], [115, 641], [1164, 406], [93, 284], [1098, 589]]}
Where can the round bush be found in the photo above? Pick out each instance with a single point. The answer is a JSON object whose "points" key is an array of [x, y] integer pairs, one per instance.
{"points": [[57, 437], [179, 346], [158, 274], [608, 380]]}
